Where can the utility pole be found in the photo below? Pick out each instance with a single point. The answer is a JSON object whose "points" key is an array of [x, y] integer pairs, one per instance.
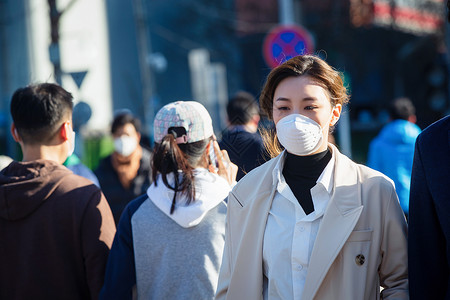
{"points": [[55, 56], [286, 12], [144, 49], [54, 50]]}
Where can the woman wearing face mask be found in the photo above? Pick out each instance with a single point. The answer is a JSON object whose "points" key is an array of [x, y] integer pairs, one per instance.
{"points": [[126, 173], [169, 242], [311, 223]]}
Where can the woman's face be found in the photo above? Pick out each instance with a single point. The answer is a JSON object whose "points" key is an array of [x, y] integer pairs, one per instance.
{"points": [[301, 95]]}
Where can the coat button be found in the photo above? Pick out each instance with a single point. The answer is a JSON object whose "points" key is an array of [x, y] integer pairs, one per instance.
{"points": [[360, 259]]}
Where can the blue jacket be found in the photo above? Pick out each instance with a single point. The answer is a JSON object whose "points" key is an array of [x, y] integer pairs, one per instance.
{"points": [[74, 164], [124, 269], [392, 152]]}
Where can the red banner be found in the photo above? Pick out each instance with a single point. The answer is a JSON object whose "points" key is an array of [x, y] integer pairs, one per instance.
{"points": [[414, 16]]}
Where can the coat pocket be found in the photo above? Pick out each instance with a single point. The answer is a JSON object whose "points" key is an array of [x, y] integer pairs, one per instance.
{"points": [[353, 261], [360, 236], [356, 252]]}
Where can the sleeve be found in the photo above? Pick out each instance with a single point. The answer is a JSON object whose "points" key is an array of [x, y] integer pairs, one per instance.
{"points": [[428, 265], [393, 270], [97, 234], [120, 277]]}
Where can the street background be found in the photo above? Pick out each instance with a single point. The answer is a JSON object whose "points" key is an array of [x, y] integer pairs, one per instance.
{"points": [[139, 55]]}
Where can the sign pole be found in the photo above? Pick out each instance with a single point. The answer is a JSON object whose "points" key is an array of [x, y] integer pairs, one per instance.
{"points": [[286, 12], [147, 76]]}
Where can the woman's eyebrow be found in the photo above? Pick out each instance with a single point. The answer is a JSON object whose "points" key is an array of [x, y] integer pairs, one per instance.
{"points": [[282, 99], [310, 99]]}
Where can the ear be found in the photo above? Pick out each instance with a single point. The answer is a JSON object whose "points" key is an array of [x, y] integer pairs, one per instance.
{"points": [[256, 118], [412, 119], [15, 134], [227, 120], [336, 114], [65, 131]]}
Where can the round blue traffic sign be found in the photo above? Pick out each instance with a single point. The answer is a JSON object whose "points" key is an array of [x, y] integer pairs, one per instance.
{"points": [[284, 42]]}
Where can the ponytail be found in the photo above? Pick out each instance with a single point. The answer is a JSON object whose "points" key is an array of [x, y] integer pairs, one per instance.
{"points": [[179, 159]]}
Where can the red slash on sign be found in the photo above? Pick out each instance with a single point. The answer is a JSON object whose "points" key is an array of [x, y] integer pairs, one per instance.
{"points": [[284, 42]]}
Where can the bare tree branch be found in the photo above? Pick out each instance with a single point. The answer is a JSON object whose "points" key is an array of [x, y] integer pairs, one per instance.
{"points": [[68, 6]]}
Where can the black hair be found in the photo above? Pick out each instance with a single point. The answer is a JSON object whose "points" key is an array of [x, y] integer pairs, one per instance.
{"points": [[39, 110], [170, 157], [241, 108], [125, 118], [401, 108]]}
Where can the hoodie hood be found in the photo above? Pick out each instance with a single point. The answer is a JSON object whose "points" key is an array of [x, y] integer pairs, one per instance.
{"points": [[24, 186], [210, 190], [400, 132]]}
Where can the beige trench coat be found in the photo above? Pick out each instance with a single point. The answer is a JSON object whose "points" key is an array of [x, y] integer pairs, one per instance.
{"points": [[361, 244]]}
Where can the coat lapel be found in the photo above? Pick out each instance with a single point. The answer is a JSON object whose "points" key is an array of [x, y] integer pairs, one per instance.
{"points": [[338, 222], [249, 233]]}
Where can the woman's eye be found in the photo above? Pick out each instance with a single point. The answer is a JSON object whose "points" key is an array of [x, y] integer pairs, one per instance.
{"points": [[310, 107], [283, 108]]}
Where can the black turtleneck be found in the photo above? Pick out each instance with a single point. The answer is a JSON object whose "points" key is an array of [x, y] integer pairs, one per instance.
{"points": [[301, 174]]}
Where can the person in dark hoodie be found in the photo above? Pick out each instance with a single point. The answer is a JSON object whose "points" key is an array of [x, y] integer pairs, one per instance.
{"points": [[392, 151], [56, 228]]}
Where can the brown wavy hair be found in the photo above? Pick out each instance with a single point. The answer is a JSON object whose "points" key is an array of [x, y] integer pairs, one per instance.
{"points": [[319, 71]]}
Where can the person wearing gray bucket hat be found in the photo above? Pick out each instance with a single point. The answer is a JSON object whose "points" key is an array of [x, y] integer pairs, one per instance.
{"points": [[177, 229]]}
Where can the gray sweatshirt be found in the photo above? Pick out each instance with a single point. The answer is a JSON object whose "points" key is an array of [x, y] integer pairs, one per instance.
{"points": [[176, 256]]}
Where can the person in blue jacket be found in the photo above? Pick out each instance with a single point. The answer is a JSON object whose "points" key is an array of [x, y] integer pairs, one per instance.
{"points": [[392, 151], [169, 242]]}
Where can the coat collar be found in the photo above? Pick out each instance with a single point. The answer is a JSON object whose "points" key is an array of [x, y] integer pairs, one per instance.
{"points": [[345, 176], [343, 185]]}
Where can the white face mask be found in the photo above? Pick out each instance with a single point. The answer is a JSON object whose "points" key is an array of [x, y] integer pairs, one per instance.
{"points": [[125, 145], [299, 135], [71, 144]]}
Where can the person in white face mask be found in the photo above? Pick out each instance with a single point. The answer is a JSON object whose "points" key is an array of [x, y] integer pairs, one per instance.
{"points": [[126, 173], [310, 223]]}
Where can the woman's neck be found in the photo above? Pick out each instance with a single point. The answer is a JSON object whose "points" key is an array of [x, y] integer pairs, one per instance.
{"points": [[301, 174], [310, 166]]}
